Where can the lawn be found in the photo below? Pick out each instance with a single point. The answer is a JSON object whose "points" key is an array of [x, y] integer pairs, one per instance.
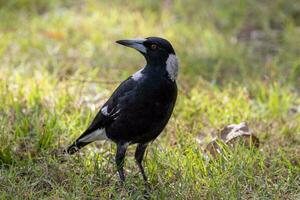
{"points": [[239, 61]]}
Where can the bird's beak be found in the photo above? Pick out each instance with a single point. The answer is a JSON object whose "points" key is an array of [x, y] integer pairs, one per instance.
{"points": [[136, 44]]}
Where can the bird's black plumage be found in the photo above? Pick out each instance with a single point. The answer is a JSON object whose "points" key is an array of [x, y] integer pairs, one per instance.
{"points": [[140, 107]]}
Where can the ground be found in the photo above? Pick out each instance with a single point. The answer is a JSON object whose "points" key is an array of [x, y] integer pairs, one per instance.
{"points": [[239, 61]]}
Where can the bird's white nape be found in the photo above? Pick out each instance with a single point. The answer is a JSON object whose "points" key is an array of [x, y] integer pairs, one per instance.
{"points": [[172, 66], [99, 134], [137, 75]]}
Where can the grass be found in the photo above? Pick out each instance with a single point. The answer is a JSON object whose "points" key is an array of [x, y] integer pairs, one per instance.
{"points": [[238, 63]]}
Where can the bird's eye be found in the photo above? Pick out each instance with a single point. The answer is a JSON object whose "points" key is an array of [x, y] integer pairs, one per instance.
{"points": [[153, 46]]}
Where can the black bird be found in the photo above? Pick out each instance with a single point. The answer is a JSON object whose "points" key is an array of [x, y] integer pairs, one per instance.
{"points": [[140, 107]]}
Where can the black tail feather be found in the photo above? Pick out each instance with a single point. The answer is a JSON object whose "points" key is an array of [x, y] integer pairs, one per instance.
{"points": [[75, 147]]}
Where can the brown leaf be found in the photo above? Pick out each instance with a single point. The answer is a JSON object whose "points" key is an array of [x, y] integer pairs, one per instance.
{"points": [[231, 135]]}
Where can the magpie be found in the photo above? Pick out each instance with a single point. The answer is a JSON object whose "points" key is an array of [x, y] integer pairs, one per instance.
{"points": [[139, 109]]}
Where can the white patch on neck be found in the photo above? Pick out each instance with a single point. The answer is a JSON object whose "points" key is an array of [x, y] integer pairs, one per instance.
{"points": [[99, 134], [172, 67], [137, 75]]}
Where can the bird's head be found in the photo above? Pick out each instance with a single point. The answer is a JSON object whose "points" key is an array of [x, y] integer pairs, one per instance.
{"points": [[157, 52]]}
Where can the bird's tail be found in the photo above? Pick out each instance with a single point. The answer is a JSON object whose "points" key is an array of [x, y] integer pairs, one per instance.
{"points": [[76, 146], [86, 137]]}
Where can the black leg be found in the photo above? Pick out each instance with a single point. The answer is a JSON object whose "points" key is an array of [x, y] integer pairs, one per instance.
{"points": [[120, 155], [139, 155]]}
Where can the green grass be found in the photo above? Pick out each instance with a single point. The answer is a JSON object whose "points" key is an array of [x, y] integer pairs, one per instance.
{"points": [[239, 61]]}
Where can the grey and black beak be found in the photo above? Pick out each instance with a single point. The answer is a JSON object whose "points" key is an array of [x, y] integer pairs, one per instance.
{"points": [[136, 44]]}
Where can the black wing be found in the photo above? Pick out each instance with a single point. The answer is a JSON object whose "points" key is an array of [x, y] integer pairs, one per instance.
{"points": [[110, 110], [107, 114]]}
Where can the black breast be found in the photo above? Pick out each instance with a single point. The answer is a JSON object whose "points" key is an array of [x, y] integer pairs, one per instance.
{"points": [[144, 111]]}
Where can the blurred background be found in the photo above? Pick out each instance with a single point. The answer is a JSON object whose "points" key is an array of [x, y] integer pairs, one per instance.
{"points": [[239, 61], [219, 41]]}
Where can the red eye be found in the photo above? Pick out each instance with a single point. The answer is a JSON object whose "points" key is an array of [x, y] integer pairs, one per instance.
{"points": [[153, 46]]}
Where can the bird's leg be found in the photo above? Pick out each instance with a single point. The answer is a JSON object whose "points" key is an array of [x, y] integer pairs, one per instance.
{"points": [[120, 155], [139, 155]]}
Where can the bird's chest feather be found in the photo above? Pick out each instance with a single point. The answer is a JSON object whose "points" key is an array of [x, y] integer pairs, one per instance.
{"points": [[146, 111], [153, 97], [157, 93]]}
